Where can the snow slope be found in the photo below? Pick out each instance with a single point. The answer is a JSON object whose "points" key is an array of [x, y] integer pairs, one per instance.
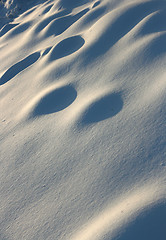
{"points": [[82, 112]]}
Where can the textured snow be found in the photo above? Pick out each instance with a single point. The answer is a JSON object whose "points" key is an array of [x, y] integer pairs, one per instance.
{"points": [[82, 112]]}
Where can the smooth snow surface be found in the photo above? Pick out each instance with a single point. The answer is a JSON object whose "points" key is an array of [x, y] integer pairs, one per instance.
{"points": [[83, 120]]}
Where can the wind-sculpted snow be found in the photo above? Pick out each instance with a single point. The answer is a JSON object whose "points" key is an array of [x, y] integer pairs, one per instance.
{"points": [[66, 47], [103, 108], [147, 225], [18, 67], [82, 112], [51, 101], [6, 28]]}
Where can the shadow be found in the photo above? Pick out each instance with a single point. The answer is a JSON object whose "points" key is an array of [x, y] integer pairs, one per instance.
{"points": [[18, 67], [46, 51], [58, 26], [7, 28], [47, 9], [118, 29], [155, 49], [155, 24], [19, 29], [96, 4], [66, 47], [72, 4], [93, 16], [28, 12], [42, 24], [149, 225], [55, 101], [106, 107]]}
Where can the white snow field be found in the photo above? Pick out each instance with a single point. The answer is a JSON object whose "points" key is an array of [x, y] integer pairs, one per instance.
{"points": [[83, 120]]}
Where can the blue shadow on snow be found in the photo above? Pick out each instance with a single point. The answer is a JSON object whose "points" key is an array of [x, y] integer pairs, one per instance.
{"points": [[103, 108], [55, 101], [19, 67], [150, 225]]}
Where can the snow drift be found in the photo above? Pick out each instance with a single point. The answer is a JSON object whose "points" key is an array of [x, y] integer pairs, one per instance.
{"points": [[82, 112]]}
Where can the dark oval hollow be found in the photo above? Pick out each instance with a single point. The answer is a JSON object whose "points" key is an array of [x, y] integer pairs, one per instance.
{"points": [[55, 101], [96, 4], [66, 47], [19, 67], [106, 107]]}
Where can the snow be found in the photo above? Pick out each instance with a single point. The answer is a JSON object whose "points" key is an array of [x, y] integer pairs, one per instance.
{"points": [[82, 112]]}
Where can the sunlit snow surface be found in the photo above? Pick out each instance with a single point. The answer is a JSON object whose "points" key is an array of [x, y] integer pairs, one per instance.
{"points": [[83, 120]]}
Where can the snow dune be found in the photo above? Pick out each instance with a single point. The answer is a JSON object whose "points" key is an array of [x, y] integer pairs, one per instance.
{"points": [[82, 112]]}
